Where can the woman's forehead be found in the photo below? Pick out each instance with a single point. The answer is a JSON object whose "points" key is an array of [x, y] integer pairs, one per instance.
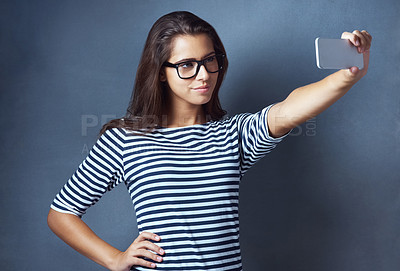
{"points": [[191, 47]]}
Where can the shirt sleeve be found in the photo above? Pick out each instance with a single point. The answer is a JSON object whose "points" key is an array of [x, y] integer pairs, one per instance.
{"points": [[254, 138], [101, 171]]}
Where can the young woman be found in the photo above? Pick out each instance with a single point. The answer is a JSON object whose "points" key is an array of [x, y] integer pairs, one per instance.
{"points": [[181, 162]]}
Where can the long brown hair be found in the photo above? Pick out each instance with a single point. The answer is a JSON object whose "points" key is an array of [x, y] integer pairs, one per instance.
{"points": [[149, 93]]}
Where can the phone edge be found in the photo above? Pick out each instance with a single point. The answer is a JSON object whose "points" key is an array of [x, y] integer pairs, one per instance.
{"points": [[317, 53]]}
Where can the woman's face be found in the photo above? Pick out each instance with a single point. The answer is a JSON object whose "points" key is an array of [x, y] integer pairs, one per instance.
{"points": [[195, 91]]}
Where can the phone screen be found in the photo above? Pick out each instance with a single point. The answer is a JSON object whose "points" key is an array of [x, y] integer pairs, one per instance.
{"points": [[337, 54]]}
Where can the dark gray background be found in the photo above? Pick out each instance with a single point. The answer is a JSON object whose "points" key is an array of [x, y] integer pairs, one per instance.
{"points": [[328, 198]]}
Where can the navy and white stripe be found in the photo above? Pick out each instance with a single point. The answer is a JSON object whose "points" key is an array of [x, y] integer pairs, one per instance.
{"points": [[183, 182]]}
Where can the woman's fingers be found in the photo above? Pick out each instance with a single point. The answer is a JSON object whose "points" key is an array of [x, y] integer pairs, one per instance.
{"points": [[143, 249], [142, 262], [351, 37], [147, 236], [365, 41], [142, 241], [144, 253], [361, 40], [147, 245], [367, 35]]}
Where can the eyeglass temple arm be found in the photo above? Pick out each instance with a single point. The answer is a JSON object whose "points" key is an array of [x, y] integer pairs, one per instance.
{"points": [[169, 64]]}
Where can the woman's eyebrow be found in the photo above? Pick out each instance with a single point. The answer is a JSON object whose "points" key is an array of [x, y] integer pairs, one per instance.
{"points": [[191, 59]]}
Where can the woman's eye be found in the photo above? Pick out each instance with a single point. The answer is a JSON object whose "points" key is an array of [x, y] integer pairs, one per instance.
{"points": [[186, 65], [210, 59]]}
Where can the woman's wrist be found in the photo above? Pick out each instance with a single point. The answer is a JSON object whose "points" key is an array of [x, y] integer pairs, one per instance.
{"points": [[341, 80], [112, 260]]}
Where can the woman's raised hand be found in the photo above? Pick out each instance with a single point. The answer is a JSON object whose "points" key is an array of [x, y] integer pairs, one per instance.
{"points": [[361, 40], [136, 253]]}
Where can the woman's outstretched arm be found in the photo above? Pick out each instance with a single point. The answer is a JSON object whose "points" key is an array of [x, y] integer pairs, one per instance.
{"points": [[73, 231], [308, 101]]}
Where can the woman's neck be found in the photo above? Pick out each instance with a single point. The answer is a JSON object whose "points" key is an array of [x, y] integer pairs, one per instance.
{"points": [[180, 116]]}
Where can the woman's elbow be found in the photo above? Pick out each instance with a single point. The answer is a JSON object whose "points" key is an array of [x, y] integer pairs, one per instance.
{"points": [[52, 219]]}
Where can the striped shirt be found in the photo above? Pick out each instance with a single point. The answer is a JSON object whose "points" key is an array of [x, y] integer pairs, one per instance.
{"points": [[183, 182]]}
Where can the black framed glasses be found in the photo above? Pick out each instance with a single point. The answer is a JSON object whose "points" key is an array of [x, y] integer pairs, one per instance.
{"points": [[190, 69]]}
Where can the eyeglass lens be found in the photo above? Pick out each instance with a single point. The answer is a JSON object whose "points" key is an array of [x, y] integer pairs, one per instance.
{"points": [[189, 69]]}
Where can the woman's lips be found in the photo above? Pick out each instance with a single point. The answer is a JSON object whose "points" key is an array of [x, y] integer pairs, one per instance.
{"points": [[202, 89]]}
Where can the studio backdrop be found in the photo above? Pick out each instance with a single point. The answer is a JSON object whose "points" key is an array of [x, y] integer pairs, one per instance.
{"points": [[326, 199]]}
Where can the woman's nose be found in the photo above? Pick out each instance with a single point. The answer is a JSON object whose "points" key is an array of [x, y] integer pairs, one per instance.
{"points": [[203, 74]]}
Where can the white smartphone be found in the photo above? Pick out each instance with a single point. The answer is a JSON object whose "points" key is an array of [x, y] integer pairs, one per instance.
{"points": [[337, 54]]}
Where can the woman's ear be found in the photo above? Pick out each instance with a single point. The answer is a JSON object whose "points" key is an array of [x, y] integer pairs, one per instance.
{"points": [[163, 77]]}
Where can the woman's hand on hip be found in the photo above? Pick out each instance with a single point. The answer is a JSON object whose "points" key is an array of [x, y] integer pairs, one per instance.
{"points": [[137, 253]]}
